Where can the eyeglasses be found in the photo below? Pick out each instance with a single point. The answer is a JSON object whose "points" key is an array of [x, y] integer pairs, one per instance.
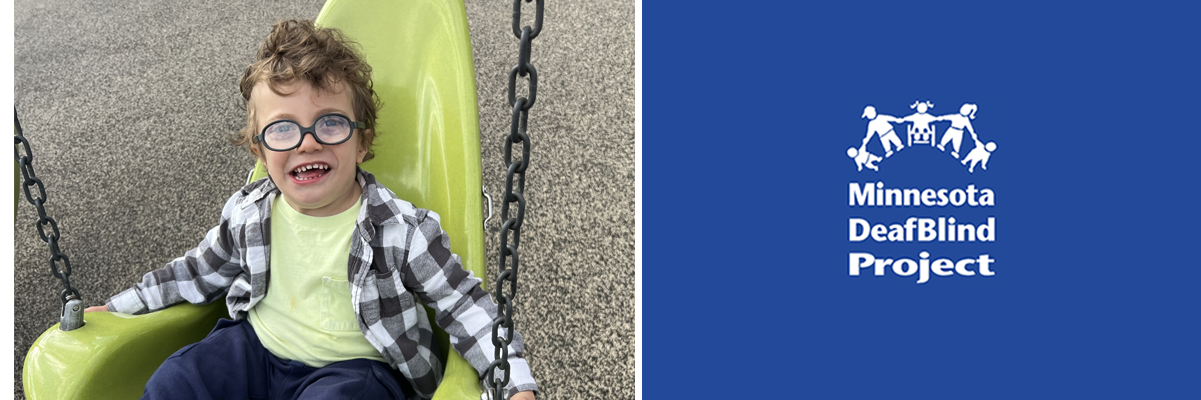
{"points": [[330, 129]]}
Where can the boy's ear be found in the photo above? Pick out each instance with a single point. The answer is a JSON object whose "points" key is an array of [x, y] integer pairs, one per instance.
{"points": [[362, 151], [258, 155]]}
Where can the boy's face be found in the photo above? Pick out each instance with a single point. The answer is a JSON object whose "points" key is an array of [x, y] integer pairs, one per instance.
{"points": [[324, 192]]}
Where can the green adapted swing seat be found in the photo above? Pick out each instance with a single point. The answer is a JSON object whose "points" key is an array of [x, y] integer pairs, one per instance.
{"points": [[427, 151]]}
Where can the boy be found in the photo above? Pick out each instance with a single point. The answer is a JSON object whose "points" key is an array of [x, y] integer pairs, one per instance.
{"points": [[881, 125], [319, 263]]}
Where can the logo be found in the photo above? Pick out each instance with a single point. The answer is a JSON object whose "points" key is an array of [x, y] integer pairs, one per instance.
{"points": [[921, 128], [948, 226]]}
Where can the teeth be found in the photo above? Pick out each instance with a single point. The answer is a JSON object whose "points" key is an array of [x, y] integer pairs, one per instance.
{"points": [[310, 166]]}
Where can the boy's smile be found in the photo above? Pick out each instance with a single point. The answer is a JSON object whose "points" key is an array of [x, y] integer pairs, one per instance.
{"points": [[315, 179]]}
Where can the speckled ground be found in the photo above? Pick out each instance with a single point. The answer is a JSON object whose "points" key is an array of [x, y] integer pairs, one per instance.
{"points": [[126, 104]]}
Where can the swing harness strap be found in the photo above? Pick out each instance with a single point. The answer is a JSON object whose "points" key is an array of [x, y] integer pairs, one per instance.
{"points": [[72, 314]]}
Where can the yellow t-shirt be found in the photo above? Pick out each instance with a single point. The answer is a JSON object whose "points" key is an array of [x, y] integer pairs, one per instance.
{"points": [[307, 314]]}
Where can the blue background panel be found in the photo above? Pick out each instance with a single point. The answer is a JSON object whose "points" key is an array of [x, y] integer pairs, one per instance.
{"points": [[748, 113]]}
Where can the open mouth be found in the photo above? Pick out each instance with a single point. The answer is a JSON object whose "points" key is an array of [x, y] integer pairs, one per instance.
{"points": [[310, 171]]}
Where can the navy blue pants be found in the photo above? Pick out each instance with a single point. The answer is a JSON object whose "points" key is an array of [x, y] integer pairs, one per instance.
{"points": [[230, 363]]}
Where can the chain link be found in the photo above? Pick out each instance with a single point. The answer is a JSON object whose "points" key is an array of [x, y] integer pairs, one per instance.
{"points": [[56, 255], [498, 372]]}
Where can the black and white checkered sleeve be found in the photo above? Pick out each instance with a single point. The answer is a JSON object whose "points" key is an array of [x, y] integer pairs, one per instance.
{"points": [[201, 276], [463, 309]]}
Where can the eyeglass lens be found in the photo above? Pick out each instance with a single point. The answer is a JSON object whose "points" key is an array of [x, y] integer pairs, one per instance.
{"points": [[330, 129]]}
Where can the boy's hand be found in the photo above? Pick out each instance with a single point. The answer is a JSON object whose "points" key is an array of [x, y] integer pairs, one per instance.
{"points": [[526, 395], [105, 308]]}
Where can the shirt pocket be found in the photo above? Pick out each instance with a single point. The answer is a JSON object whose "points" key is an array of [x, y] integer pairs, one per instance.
{"points": [[337, 314]]}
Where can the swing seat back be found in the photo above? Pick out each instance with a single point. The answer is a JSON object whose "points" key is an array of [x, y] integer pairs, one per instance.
{"points": [[427, 151]]}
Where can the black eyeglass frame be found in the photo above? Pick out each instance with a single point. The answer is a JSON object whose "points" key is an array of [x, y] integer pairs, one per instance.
{"points": [[305, 130]]}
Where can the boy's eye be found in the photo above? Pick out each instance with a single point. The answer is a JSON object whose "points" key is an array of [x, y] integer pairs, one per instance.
{"points": [[281, 128], [332, 121]]}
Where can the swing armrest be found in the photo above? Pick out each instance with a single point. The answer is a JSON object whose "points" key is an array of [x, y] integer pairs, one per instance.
{"points": [[113, 355]]}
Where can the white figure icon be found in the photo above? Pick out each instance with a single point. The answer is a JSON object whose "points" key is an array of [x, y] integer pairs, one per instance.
{"points": [[863, 158], [979, 154], [881, 125], [920, 130], [959, 122]]}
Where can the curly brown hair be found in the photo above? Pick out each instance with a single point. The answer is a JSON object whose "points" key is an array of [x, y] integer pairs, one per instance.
{"points": [[323, 57]]}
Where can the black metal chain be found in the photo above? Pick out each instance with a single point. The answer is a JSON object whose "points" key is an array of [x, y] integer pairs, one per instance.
{"points": [[516, 169], [31, 179]]}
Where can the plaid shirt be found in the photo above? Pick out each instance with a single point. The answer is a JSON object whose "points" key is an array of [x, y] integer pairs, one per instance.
{"points": [[397, 252]]}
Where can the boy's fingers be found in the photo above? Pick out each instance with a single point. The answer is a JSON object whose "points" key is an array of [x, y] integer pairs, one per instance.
{"points": [[95, 308]]}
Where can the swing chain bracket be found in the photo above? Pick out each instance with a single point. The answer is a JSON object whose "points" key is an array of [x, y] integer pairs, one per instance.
{"points": [[71, 317], [497, 375], [489, 197]]}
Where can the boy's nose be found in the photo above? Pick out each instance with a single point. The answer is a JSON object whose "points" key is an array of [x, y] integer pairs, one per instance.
{"points": [[308, 142]]}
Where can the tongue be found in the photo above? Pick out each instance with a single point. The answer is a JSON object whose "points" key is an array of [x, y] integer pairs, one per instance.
{"points": [[312, 173]]}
